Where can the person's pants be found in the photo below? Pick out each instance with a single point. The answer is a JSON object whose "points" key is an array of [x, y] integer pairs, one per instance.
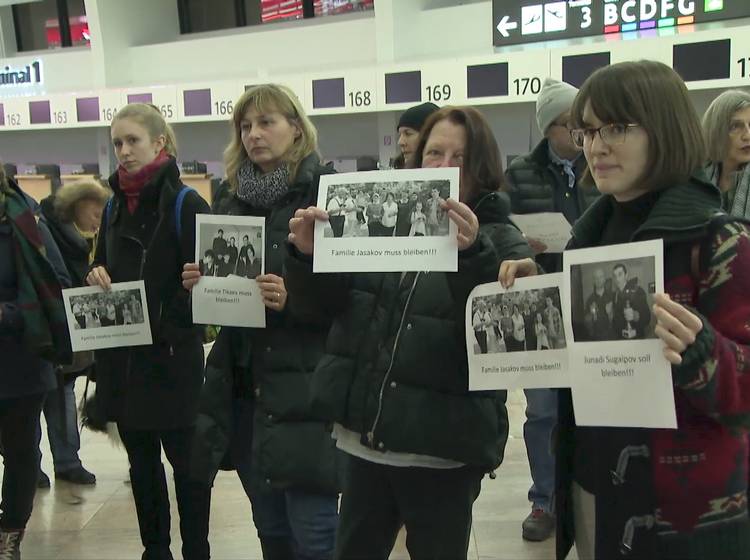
{"points": [[541, 418], [481, 337], [374, 229], [387, 231], [337, 225], [435, 505], [19, 424], [64, 439], [300, 523], [149, 484]]}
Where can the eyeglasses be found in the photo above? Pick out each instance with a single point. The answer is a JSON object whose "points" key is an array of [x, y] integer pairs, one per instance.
{"points": [[611, 134]]}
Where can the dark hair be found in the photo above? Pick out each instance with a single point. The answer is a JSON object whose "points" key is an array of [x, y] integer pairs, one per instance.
{"points": [[483, 168], [209, 253], [620, 265], [220, 231], [652, 95]]}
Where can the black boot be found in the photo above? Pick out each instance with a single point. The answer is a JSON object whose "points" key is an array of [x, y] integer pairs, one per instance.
{"points": [[194, 505], [277, 548], [152, 507]]}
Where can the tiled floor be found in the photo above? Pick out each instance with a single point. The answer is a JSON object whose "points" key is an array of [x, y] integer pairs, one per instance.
{"points": [[99, 523]]}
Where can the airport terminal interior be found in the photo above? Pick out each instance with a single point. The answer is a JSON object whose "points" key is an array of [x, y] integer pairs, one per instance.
{"points": [[360, 70]]}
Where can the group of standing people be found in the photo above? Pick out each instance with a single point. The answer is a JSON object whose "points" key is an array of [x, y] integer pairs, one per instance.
{"points": [[510, 325], [358, 385], [225, 259], [359, 214]]}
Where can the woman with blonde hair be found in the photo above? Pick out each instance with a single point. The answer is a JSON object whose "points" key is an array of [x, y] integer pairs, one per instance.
{"points": [[256, 398], [73, 215], [147, 233]]}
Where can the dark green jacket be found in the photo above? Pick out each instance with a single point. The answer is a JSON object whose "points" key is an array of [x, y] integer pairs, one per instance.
{"points": [[271, 367], [395, 368], [537, 184]]}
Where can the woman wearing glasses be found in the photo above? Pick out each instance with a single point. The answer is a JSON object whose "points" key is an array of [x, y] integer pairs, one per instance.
{"points": [[726, 125], [661, 494]]}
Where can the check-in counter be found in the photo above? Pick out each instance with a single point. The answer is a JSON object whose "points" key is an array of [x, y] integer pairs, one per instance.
{"points": [[73, 177], [37, 187], [201, 182]]}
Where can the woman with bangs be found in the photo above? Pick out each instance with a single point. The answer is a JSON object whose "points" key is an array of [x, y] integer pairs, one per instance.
{"points": [[257, 380], [647, 493]]}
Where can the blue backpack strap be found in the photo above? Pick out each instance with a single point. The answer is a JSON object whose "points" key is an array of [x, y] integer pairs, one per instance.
{"points": [[178, 209]]}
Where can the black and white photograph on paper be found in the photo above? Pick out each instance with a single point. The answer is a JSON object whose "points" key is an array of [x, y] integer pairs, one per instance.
{"points": [[612, 300], [114, 318], [230, 253], [517, 338], [619, 376], [388, 209], [381, 221], [230, 249]]}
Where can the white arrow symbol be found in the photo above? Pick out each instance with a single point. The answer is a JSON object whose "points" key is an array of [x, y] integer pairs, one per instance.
{"points": [[504, 26]]}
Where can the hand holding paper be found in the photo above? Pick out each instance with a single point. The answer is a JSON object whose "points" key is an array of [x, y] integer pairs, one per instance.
{"points": [[676, 326], [273, 290], [510, 270], [191, 274], [466, 221], [99, 277], [302, 228]]}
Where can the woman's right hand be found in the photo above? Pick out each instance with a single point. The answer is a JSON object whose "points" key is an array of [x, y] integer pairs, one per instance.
{"points": [[302, 228], [191, 274], [510, 270], [99, 277]]}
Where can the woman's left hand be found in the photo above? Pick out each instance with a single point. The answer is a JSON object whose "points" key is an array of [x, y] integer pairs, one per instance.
{"points": [[465, 219], [273, 290], [676, 326]]}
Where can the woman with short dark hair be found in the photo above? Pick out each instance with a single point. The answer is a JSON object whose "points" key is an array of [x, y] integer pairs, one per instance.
{"points": [[645, 493], [394, 378]]}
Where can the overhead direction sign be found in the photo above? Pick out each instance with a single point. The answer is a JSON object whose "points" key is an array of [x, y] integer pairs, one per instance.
{"points": [[531, 21]]}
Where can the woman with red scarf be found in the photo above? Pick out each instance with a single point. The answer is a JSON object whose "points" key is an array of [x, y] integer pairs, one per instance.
{"points": [[151, 392]]}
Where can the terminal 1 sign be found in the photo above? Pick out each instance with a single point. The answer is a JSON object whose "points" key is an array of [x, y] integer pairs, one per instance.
{"points": [[531, 21]]}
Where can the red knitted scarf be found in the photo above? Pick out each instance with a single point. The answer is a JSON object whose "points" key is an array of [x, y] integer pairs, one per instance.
{"points": [[132, 184]]}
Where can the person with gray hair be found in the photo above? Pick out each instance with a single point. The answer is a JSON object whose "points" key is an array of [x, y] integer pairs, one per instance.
{"points": [[726, 126]]}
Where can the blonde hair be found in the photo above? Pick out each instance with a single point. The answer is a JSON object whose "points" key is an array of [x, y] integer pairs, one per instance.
{"points": [[269, 98], [151, 119], [716, 121], [71, 194]]}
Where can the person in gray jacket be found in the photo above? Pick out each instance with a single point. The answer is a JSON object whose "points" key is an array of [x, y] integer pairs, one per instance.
{"points": [[547, 180]]}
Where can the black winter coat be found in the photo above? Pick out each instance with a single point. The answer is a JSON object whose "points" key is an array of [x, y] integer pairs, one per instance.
{"points": [[152, 387], [395, 368], [537, 184], [272, 367]]}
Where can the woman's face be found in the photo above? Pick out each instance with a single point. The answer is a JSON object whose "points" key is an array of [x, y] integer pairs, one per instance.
{"points": [[739, 138], [617, 169], [390, 198], [445, 148], [418, 206], [87, 215], [267, 138], [134, 147]]}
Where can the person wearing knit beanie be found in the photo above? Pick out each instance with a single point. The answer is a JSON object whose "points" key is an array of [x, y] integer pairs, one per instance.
{"points": [[555, 99], [409, 125]]}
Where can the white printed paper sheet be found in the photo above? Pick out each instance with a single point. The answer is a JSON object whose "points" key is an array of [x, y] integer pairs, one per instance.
{"points": [[387, 221]]}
